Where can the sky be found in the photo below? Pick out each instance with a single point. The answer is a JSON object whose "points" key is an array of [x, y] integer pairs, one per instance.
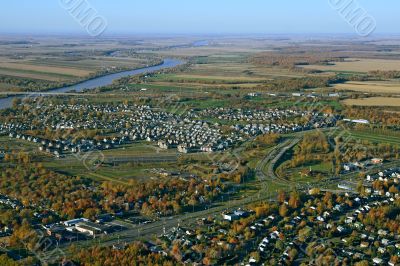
{"points": [[197, 16]]}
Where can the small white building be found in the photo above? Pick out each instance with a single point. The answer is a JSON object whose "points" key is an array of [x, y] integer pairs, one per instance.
{"points": [[230, 217], [75, 221]]}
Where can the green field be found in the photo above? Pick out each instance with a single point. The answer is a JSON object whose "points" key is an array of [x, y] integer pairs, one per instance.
{"points": [[294, 174], [375, 137]]}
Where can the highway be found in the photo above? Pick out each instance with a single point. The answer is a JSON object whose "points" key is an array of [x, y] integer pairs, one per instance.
{"points": [[148, 231]]}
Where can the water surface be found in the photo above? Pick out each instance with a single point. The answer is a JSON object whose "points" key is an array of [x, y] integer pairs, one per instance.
{"points": [[98, 82]]}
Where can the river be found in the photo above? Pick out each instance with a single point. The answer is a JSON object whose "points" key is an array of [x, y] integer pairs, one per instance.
{"points": [[98, 82]]}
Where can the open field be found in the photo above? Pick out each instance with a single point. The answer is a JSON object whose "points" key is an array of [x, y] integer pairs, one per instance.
{"points": [[16, 145], [359, 65], [223, 71], [47, 62], [136, 161], [62, 69], [297, 174], [30, 66], [238, 67], [92, 64], [32, 74], [133, 161], [392, 87], [375, 137], [374, 101]]}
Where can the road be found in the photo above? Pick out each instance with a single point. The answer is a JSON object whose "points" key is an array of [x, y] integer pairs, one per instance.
{"points": [[273, 157], [146, 232]]}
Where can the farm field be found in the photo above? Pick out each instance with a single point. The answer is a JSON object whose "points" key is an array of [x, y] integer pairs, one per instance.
{"points": [[47, 62], [223, 71], [200, 84], [390, 87], [359, 65], [45, 68], [222, 49], [33, 74], [374, 101], [92, 63], [60, 69], [226, 67]]}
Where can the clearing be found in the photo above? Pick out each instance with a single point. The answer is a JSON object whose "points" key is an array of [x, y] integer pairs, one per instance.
{"points": [[374, 101]]}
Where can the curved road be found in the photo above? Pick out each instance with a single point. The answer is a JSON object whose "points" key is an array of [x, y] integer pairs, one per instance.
{"points": [[146, 232]]}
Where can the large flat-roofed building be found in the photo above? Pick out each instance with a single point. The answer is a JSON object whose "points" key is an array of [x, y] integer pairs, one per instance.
{"points": [[90, 228]]}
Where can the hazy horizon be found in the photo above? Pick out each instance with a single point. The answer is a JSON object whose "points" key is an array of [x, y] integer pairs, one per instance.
{"points": [[208, 17]]}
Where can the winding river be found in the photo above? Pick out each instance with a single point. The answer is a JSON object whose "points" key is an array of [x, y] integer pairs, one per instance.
{"points": [[98, 82]]}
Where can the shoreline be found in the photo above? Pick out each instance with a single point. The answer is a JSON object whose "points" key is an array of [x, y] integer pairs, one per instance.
{"points": [[92, 83]]}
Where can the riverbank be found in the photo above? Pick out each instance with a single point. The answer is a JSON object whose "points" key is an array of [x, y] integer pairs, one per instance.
{"points": [[95, 82]]}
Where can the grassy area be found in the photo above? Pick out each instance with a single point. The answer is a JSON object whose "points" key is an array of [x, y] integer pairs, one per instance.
{"points": [[118, 173], [17, 145], [85, 164], [375, 137], [206, 77], [131, 166], [298, 174]]}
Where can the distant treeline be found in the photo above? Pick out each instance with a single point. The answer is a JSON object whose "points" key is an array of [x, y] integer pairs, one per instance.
{"points": [[296, 84], [28, 84], [293, 60], [384, 74], [377, 116]]}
